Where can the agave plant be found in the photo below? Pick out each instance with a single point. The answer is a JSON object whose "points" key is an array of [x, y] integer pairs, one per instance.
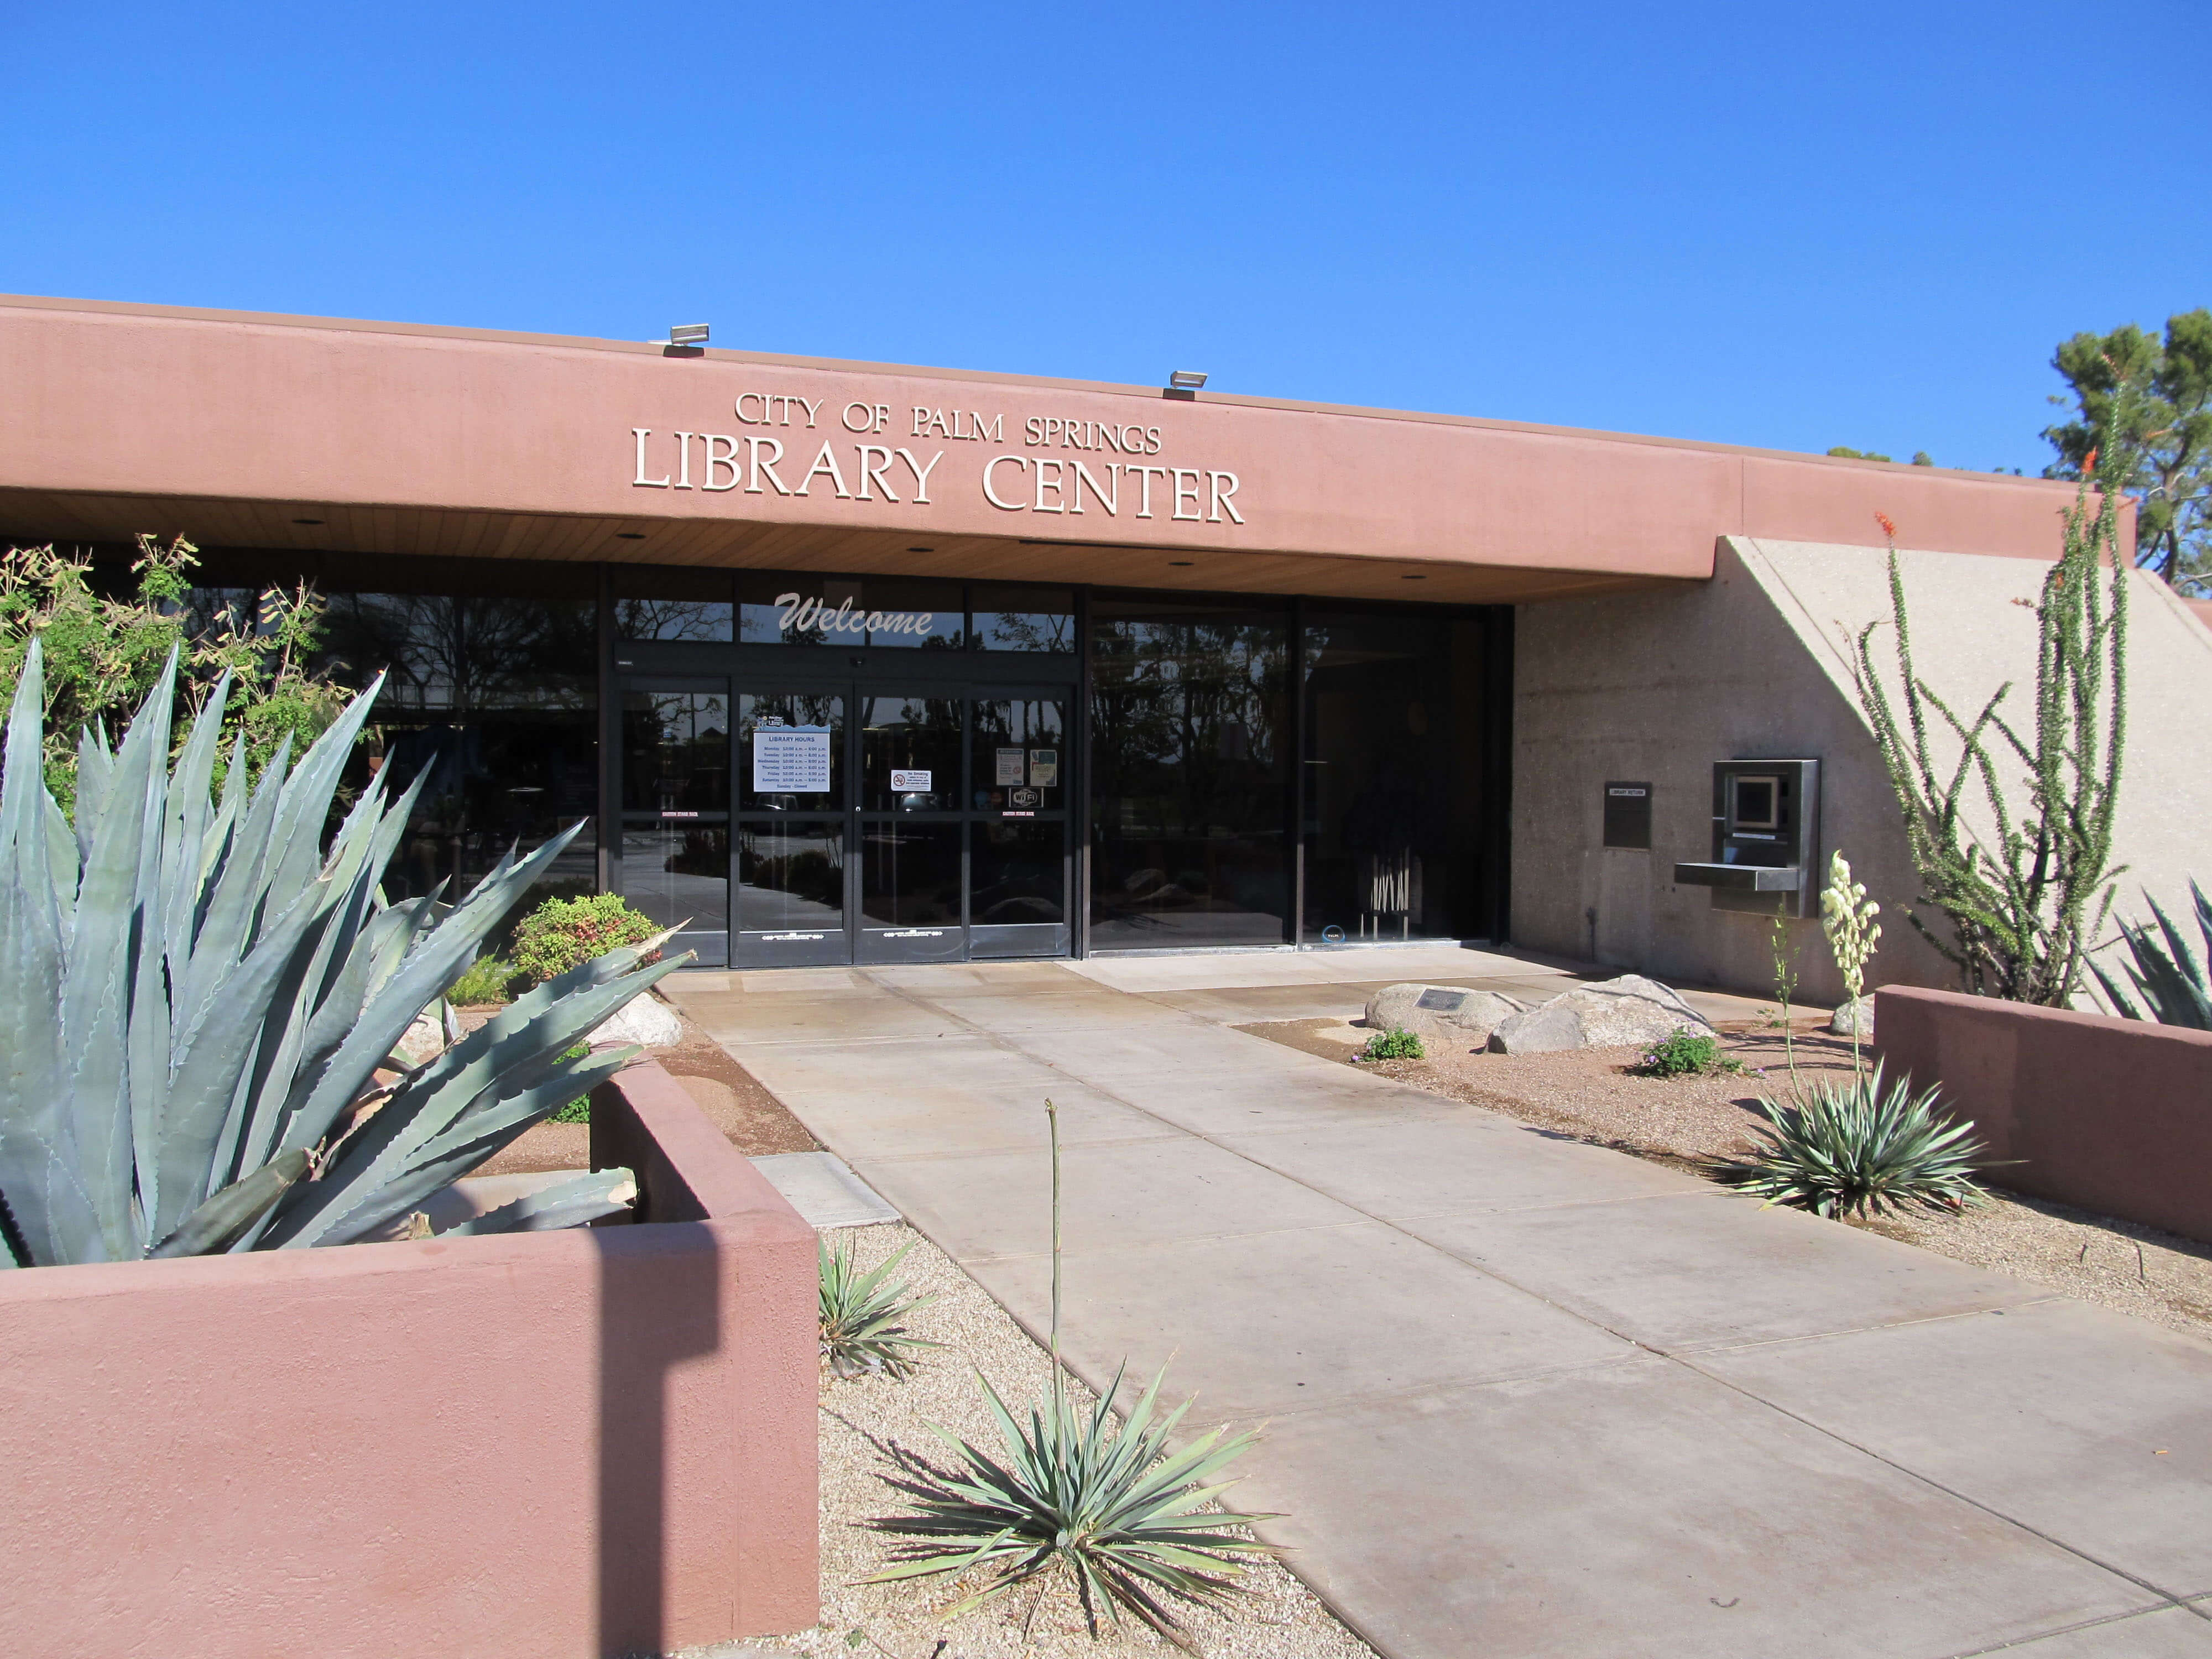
{"points": [[1854, 1146], [863, 1314], [1117, 1512], [2166, 971], [200, 998]]}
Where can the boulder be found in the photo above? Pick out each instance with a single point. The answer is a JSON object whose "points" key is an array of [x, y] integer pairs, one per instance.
{"points": [[1628, 1012], [645, 1019], [1854, 1019], [1448, 1014]]}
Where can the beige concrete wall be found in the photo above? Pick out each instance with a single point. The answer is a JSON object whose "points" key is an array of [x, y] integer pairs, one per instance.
{"points": [[1756, 663]]}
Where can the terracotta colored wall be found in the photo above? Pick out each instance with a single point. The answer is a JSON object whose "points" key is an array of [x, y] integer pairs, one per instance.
{"points": [[2114, 1115], [551, 1447], [137, 400]]}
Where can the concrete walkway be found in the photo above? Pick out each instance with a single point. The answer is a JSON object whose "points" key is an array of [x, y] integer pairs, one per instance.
{"points": [[1526, 1396]]}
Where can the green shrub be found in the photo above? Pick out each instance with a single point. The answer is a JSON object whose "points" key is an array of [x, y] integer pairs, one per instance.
{"points": [[578, 1110], [1395, 1043], [485, 980], [1687, 1054], [1852, 1147], [1115, 1510], [564, 934], [863, 1314]]}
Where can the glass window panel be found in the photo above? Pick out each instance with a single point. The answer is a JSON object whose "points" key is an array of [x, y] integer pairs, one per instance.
{"points": [[909, 874], [679, 875], [490, 700], [675, 753], [658, 603], [1010, 619], [791, 875], [1018, 755], [886, 612], [800, 766], [1392, 814], [1190, 771], [909, 754], [1018, 873]]}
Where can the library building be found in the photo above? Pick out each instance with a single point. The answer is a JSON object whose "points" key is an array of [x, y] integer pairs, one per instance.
{"points": [[849, 663]]}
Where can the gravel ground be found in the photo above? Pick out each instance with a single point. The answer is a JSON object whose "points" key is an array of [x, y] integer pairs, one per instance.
{"points": [[1590, 1094], [1281, 1620]]}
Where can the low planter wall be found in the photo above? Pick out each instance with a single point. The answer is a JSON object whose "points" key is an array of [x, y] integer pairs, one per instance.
{"points": [[2113, 1115], [563, 1446]]}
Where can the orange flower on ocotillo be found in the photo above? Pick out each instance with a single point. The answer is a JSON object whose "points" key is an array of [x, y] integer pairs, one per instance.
{"points": [[1888, 529], [2089, 462]]}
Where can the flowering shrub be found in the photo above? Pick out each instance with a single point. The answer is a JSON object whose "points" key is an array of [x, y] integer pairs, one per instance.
{"points": [[1394, 1044], [564, 934]]}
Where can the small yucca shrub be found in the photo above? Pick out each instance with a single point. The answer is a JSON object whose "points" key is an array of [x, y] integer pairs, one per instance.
{"points": [[863, 1314], [1855, 1146], [1119, 1513]]}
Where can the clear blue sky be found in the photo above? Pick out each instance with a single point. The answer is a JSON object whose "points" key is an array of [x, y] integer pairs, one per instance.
{"points": [[1784, 225]]}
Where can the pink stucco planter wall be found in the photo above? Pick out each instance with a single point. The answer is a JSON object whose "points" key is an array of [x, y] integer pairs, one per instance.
{"points": [[560, 1446], [2113, 1115]]}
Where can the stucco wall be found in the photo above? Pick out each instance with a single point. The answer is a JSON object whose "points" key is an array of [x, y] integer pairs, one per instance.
{"points": [[540, 1446], [1755, 663]]}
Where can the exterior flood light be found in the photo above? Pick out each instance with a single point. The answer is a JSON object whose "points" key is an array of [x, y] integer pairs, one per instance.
{"points": [[687, 334], [1184, 383]]}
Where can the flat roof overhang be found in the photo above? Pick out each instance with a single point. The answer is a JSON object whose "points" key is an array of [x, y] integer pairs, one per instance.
{"points": [[232, 427]]}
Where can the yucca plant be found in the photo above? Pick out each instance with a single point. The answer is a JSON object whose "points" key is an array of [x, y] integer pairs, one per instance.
{"points": [[199, 998], [2166, 974], [1854, 1146], [1117, 1513], [863, 1314]]}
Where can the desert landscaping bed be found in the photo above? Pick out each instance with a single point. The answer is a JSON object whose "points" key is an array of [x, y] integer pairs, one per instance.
{"points": [[1281, 1619], [1592, 1095], [756, 1122]]}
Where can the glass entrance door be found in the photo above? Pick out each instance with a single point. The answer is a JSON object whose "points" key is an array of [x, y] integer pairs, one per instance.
{"points": [[675, 841], [843, 823], [792, 869]]}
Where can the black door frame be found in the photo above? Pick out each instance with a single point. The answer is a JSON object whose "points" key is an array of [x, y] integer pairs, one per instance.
{"points": [[853, 676]]}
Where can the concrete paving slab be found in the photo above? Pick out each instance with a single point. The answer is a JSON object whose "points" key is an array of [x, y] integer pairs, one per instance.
{"points": [[905, 1123], [1702, 1268], [820, 1187], [1168, 1049], [1265, 1098], [2090, 1426], [1144, 1192], [1470, 1161], [1639, 1511], [1729, 1487], [2161, 1633], [1288, 1322], [1388, 963], [834, 1070], [1009, 1013], [733, 1017]]}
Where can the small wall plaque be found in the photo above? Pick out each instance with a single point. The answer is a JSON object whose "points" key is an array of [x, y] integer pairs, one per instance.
{"points": [[1628, 816], [1440, 1001]]}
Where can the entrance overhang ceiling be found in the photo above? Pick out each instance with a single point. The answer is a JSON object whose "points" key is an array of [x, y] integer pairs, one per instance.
{"points": [[232, 429]]}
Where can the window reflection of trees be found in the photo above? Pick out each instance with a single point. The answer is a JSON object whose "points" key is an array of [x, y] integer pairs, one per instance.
{"points": [[496, 698], [707, 620]]}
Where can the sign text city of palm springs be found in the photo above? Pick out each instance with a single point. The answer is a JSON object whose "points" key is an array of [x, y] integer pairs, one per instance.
{"points": [[1110, 471]]}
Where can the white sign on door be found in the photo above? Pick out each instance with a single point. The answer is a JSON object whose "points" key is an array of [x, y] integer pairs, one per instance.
{"points": [[1009, 766], [1044, 768], [906, 782], [791, 759]]}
